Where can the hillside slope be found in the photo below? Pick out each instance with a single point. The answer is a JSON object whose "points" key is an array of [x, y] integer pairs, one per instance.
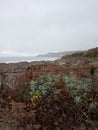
{"points": [[84, 58], [59, 54]]}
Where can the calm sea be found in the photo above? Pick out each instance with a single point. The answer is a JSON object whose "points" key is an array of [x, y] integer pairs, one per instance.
{"points": [[28, 59]]}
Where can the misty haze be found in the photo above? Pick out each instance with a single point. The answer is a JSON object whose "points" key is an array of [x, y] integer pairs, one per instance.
{"points": [[29, 27]]}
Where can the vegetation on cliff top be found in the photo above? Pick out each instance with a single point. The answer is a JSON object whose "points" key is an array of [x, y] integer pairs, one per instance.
{"points": [[48, 97]]}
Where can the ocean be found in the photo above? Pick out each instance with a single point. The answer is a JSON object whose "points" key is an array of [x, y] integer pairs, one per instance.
{"points": [[28, 59]]}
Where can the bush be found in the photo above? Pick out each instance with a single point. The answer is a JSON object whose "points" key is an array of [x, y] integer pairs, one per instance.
{"points": [[78, 88], [43, 86]]}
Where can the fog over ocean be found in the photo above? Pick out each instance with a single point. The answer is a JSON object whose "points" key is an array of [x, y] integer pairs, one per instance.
{"points": [[16, 59]]}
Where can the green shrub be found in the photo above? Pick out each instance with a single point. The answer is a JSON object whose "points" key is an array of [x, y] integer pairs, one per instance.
{"points": [[92, 106], [43, 86], [77, 88], [31, 67]]}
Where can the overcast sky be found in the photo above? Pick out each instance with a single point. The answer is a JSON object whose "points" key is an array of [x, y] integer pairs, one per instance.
{"points": [[31, 27]]}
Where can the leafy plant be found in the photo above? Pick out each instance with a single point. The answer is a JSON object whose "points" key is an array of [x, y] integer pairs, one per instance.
{"points": [[77, 88], [43, 86], [92, 106]]}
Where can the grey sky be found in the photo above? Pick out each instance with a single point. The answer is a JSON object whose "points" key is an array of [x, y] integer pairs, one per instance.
{"points": [[40, 26]]}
